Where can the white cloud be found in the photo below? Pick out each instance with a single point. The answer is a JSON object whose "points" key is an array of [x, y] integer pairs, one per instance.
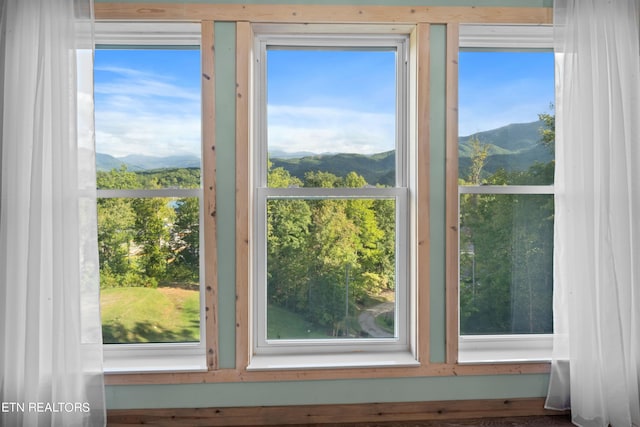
{"points": [[133, 82], [323, 130], [139, 113], [119, 134]]}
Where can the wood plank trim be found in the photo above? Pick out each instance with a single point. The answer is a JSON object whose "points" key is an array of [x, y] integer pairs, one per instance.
{"points": [[244, 40], [422, 124], [241, 375], [321, 13], [209, 187], [451, 173], [345, 413]]}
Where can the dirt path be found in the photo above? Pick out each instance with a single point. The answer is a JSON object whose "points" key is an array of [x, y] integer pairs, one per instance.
{"points": [[367, 320]]}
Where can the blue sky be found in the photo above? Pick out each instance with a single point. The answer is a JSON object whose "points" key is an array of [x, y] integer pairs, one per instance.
{"points": [[148, 101], [499, 88], [331, 101]]}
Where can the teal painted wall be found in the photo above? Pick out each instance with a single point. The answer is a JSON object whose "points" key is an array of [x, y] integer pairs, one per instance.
{"points": [[437, 142], [327, 391], [225, 78]]}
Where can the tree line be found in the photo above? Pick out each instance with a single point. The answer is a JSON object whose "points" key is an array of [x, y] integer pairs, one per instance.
{"points": [[312, 245], [506, 248], [147, 241], [327, 258]]}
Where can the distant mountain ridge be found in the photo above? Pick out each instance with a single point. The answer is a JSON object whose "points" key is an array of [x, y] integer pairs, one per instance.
{"points": [[375, 169], [511, 147], [138, 162]]}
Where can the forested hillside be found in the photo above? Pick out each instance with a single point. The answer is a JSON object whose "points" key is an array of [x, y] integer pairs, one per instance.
{"points": [[515, 147], [330, 260], [376, 169], [512, 147]]}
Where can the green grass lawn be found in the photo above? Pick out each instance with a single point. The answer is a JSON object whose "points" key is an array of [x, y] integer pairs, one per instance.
{"points": [[285, 324], [139, 315], [171, 314], [386, 322]]}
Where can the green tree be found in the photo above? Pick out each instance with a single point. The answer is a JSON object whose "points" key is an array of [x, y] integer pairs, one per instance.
{"points": [[479, 155], [313, 244], [116, 223], [385, 212], [370, 278], [322, 180], [548, 131], [117, 179], [185, 240], [506, 254], [334, 243], [153, 215], [288, 224]]}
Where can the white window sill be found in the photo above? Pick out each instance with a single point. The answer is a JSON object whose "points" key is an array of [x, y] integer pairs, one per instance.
{"points": [[263, 362], [504, 348], [147, 358]]}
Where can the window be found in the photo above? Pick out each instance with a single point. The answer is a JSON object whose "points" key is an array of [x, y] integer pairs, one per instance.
{"points": [[331, 269], [148, 161], [505, 193]]}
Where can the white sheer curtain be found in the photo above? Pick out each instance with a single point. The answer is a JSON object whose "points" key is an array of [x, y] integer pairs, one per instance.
{"points": [[596, 364], [50, 333]]}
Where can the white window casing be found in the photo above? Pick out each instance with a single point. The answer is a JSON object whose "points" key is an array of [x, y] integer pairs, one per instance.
{"points": [[154, 357], [345, 352], [128, 33], [516, 348]]}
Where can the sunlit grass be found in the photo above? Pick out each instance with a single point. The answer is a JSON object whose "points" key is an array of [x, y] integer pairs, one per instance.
{"points": [[139, 315], [284, 324]]}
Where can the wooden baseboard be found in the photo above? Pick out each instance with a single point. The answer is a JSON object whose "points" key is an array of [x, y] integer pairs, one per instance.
{"points": [[326, 414]]}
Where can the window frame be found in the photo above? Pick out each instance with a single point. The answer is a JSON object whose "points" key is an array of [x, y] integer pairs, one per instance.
{"points": [[158, 357], [494, 348], [435, 346], [319, 353]]}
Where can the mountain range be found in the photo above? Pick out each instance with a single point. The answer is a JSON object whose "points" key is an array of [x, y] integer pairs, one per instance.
{"points": [[139, 162], [511, 147]]}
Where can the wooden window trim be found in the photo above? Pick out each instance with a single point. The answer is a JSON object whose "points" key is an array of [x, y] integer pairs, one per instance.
{"points": [[242, 375], [422, 128], [244, 15], [451, 233], [244, 47], [209, 189], [399, 412], [276, 13], [454, 43]]}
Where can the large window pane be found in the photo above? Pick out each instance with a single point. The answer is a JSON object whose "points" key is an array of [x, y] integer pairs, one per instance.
{"points": [[148, 116], [333, 111], [506, 263], [149, 269], [148, 141], [506, 165], [505, 118], [331, 268], [331, 211]]}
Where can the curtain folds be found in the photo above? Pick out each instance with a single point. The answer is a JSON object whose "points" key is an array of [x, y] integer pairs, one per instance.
{"points": [[50, 333], [595, 370]]}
